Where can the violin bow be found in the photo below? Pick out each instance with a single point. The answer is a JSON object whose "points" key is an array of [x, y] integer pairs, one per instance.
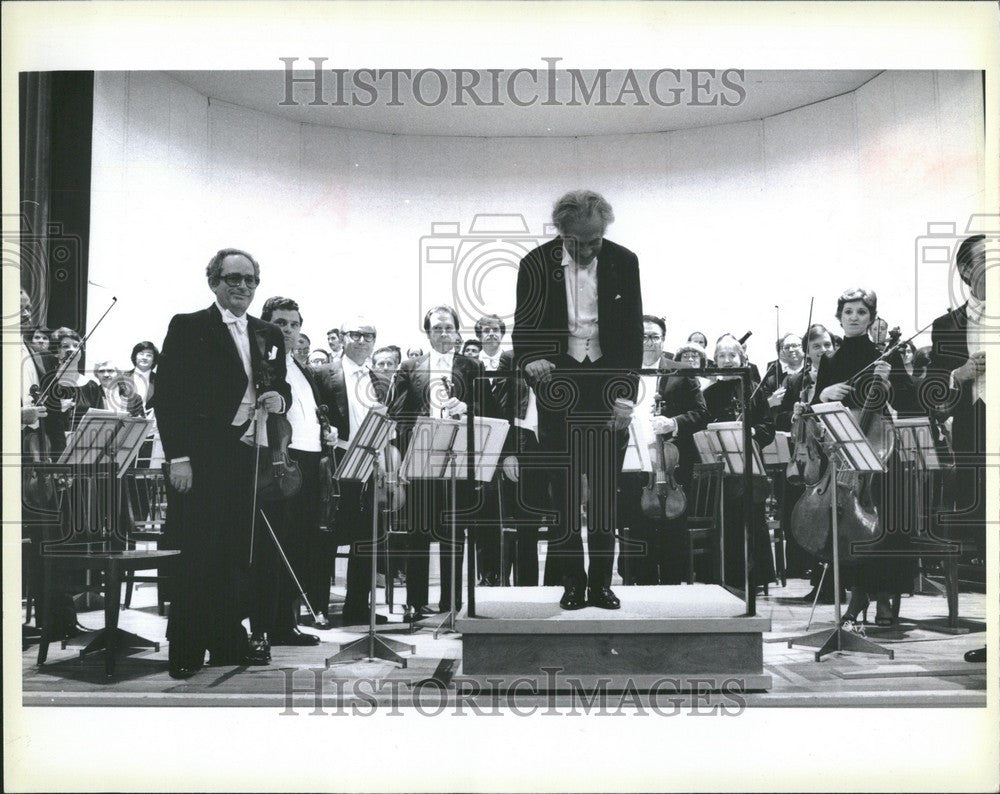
{"points": [[61, 369]]}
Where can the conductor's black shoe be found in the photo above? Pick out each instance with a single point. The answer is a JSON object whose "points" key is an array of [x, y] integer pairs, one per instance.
{"points": [[978, 655], [293, 637], [181, 670], [259, 652], [603, 598], [572, 598], [413, 614], [321, 623]]}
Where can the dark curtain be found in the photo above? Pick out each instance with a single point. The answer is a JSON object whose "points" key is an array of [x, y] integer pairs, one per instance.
{"points": [[56, 130]]}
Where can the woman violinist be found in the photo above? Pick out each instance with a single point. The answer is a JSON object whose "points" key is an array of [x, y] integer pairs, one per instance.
{"points": [[850, 377]]}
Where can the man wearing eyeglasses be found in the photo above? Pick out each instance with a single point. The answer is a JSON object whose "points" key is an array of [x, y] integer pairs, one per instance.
{"points": [[217, 368], [109, 392], [350, 389], [790, 361]]}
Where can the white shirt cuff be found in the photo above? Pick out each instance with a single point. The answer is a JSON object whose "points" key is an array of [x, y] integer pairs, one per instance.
{"points": [[183, 459]]}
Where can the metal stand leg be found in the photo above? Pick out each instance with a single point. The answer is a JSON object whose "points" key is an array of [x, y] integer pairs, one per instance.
{"points": [[837, 639], [372, 646], [448, 623]]}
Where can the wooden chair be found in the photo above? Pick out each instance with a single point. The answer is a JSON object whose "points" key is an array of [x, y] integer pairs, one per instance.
{"points": [[703, 530], [146, 495]]}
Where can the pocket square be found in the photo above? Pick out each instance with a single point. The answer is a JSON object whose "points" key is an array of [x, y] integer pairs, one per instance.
{"points": [[618, 297], [273, 354]]}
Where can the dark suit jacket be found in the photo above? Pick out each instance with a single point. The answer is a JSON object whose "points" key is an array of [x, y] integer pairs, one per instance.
{"points": [[201, 380], [92, 396], [949, 351], [330, 389], [541, 317], [409, 394], [681, 399]]}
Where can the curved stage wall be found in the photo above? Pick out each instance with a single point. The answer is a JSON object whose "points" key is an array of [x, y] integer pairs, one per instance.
{"points": [[727, 220]]}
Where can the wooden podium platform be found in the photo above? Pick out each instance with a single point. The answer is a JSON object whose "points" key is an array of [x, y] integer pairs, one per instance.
{"points": [[666, 638]]}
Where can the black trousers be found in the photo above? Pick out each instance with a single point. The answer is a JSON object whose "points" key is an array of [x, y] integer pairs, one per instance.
{"points": [[211, 525], [354, 528], [488, 534], [527, 507], [296, 524], [651, 550], [574, 408], [428, 511]]}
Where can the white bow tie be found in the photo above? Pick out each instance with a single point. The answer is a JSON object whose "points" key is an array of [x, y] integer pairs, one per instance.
{"points": [[231, 319]]}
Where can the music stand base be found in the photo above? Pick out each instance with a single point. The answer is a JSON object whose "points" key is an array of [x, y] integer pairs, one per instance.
{"points": [[447, 624], [838, 639], [370, 649], [124, 640]]}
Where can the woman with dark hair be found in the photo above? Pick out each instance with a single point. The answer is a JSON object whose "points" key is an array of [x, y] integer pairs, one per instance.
{"points": [[885, 570], [693, 355], [144, 358]]}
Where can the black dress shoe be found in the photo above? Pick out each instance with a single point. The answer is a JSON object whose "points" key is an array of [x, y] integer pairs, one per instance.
{"points": [[978, 655], [322, 623], [603, 598], [181, 671], [413, 614], [292, 637], [259, 652], [572, 598]]}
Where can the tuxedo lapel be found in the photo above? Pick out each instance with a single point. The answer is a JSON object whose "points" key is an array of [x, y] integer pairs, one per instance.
{"points": [[223, 340], [557, 309]]}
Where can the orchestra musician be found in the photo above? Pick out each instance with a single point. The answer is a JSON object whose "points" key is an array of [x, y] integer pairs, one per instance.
{"points": [[295, 520], [349, 389], [722, 399], [955, 387], [884, 575], [672, 404], [438, 385], [789, 362], [578, 339], [217, 366]]}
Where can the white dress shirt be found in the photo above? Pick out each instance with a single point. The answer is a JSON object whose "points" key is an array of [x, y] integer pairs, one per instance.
{"points": [[141, 382], [490, 363], [360, 394], [975, 338], [238, 330], [581, 306], [302, 412]]}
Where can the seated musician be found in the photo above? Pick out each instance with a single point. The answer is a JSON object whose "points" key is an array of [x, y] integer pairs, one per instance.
{"points": [[672, 405], [722, 399], [850, 377], [109, 391], [693, 355]]}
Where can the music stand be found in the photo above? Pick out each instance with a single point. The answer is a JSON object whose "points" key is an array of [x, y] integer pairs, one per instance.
{"points": [[848, 450], [361, 463], [439, 449], [106, 442], [725, 440]]}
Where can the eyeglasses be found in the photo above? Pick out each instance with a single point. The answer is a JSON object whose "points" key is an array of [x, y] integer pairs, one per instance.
{"points": [[357, 336], [651, 338], [791, 347], [235, 280]]}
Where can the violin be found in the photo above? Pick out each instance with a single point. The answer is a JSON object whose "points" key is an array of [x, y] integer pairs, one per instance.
{"points": [[808, 464], [663, 497], [278, 476]]}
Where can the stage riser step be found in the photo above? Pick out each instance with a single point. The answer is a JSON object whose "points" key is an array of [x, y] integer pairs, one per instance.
{"points": [[613, 654]]}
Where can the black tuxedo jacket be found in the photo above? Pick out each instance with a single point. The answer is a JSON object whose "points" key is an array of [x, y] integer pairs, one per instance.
{"points": [[410, 393], [949, 351], [201, 380], [541, 317], [681, 398], [330, 389]]}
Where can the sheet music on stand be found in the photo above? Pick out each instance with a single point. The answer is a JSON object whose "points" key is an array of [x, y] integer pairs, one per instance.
{"points": [[371, 438], [779, 450], [640, 439], [104, 437], [916, 442], [427, 456], [726, 439], [841, 425]]}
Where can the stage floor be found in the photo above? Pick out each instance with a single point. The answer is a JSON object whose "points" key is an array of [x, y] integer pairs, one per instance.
{"points": [[928, 669]]}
